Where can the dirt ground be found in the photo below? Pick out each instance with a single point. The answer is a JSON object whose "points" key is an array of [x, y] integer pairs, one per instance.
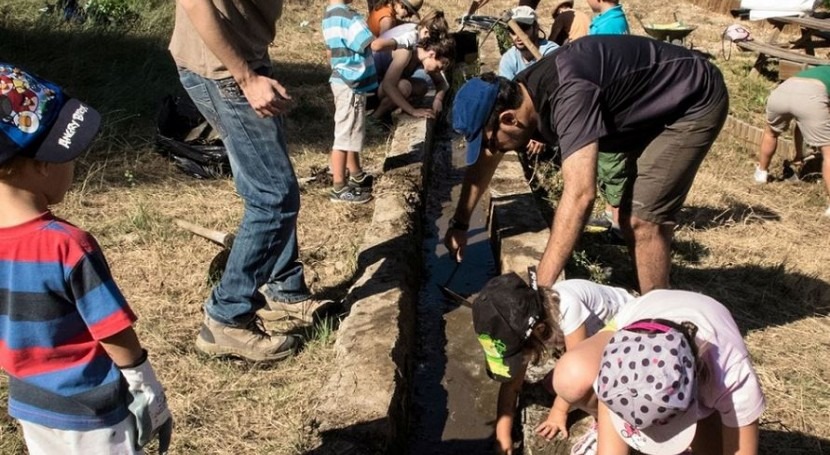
{"points": [[760, 250]]}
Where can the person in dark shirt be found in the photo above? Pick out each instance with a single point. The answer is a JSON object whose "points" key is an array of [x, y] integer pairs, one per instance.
{"points": [[568, 24], [662, 105]]}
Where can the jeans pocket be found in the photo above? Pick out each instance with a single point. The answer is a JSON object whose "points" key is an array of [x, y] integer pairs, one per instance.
{"points": [[229, 89]]}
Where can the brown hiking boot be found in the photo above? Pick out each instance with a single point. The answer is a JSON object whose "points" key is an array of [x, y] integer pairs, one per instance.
{"points": [[304, 311], [251, 342]]}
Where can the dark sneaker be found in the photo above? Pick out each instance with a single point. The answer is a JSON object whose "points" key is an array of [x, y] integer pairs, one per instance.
{"points": [[364, 181], [251, 342], [304, 311], [352, 195]]}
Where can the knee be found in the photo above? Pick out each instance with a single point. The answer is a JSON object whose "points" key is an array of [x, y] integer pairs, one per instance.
{"points": [[572, 378], [405, 87], [643, 228]]}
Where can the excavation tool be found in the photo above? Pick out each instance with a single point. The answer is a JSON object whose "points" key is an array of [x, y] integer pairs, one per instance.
{"points": [[223, 239], [452, 295]]}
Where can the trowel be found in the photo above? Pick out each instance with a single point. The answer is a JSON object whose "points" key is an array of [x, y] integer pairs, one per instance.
{"points": [[452, 295]]}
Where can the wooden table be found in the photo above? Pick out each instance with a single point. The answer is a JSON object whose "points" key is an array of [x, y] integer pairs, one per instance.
{"points": [[794, 56]]}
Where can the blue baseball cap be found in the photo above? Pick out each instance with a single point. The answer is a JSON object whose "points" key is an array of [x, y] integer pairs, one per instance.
{"points": [[38, 119], [472, 107]]}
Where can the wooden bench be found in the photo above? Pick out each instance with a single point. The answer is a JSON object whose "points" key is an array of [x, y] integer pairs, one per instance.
{"points": [[790, 62]]}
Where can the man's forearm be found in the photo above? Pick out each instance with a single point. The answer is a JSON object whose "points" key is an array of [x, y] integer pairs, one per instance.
{"points": [[476, 180], [205, 19], [579, 174]]}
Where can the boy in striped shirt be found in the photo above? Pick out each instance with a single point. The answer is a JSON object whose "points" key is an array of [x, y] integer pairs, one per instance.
{"points": [[353, 76], [79, 380]]}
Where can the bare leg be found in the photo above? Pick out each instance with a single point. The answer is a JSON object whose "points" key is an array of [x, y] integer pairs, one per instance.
{"points": [[651, 251], [799, 145], [825, 169], [769, 142], [353, 163], [338, 167], [386, 104]]}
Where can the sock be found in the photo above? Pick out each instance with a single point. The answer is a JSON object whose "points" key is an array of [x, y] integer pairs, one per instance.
{"points": [[357, 177], [338, 187]]}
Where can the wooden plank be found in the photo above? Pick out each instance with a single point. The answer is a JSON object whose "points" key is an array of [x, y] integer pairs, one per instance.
{"points": [[788, 69], [783, 54]]}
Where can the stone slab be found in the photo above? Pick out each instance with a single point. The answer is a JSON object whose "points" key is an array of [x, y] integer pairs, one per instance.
{"points": [[364, 405]]}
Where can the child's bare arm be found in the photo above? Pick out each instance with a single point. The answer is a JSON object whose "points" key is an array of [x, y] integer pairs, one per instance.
{"points": [[576, 337], [383, 44], [556, 421], [506, 410], [741, 441], [123, 348]]}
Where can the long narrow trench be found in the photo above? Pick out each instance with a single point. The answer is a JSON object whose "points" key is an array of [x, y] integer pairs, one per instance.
{"points": [[453, 399]]}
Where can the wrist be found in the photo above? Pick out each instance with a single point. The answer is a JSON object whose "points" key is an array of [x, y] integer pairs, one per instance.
{"points": [[458, 225]]}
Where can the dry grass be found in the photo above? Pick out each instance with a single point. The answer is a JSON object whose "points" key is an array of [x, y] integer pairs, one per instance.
{"points": [[761, 250]]}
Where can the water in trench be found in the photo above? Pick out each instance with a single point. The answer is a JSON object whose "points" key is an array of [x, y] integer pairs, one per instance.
{"points": [[453, 401]]}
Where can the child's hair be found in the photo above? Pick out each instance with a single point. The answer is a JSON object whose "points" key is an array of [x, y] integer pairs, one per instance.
{"points": [[550, 333], [443, 47], [436, 24]]}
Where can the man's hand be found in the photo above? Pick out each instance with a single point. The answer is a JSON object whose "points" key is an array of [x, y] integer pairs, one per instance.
{"points": [[535, 147], [556, 423], [456, 240], [422, 113], [265, 95]]}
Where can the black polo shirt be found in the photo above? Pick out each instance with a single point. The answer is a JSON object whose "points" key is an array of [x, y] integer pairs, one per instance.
{"points": [[618, 90]]}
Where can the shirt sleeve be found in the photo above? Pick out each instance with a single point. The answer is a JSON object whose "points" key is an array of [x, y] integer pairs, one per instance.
{"points": [[742, 401], [360, 37], [506, 65], [572, 306], [98, 300], [577, 116]]}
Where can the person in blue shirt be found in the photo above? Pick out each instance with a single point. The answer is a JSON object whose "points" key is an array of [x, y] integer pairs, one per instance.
{"points": [[610, 20], [519, 57]]}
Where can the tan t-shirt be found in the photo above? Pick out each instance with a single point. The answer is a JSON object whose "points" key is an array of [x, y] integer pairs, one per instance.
{"points": [[250, 26]]}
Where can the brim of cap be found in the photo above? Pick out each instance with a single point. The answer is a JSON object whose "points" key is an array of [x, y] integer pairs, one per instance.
{"points": [[525, 20], [505, 371], [71, 134], [474, 147], [674, 437]]}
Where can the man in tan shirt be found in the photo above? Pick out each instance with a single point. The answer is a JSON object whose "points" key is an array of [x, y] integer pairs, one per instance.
{"points": [[221, 50]]}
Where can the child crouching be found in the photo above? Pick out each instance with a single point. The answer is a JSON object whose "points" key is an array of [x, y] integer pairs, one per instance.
{"points": [[517, 325]]}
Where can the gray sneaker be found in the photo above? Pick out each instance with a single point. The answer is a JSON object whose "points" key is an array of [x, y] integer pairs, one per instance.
{"points": [[304, 311], [350, 194], [251, 342]]}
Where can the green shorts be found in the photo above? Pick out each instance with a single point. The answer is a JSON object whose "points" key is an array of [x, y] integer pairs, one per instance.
{"points": [[612, 173]]}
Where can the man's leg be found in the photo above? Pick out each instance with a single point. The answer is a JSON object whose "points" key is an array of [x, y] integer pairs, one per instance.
{"points": [[769, 143], [825, 172], [265, 248], [665, 172]]}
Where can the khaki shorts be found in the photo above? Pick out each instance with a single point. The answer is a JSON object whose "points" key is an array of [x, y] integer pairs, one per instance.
{"points": [[666, 167], [349, 118], [806, 101]]}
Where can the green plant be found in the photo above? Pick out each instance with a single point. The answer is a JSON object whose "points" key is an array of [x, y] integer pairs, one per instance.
{"points": [[110, 12]]}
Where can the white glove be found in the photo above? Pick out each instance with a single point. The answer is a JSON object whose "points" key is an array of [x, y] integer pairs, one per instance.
{"points": [[147, 401], [406, 41]]}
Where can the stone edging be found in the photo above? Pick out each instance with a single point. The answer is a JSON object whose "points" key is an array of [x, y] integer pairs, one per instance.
{"points": [[364, 407]]}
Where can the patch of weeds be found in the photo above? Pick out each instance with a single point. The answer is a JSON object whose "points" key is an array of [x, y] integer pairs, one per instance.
{"points": [[322, 333], [584, 266], [110, 12], [502, 37]]}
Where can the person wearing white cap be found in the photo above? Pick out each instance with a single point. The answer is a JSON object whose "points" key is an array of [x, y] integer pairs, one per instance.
{"points": [[519, 57], [669, 372]]}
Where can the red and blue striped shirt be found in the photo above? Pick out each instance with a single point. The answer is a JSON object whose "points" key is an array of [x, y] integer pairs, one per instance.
{"points": [[57, 301]]}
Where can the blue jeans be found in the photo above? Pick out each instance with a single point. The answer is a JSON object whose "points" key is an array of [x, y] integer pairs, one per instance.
{"points": [[265, 249]]}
